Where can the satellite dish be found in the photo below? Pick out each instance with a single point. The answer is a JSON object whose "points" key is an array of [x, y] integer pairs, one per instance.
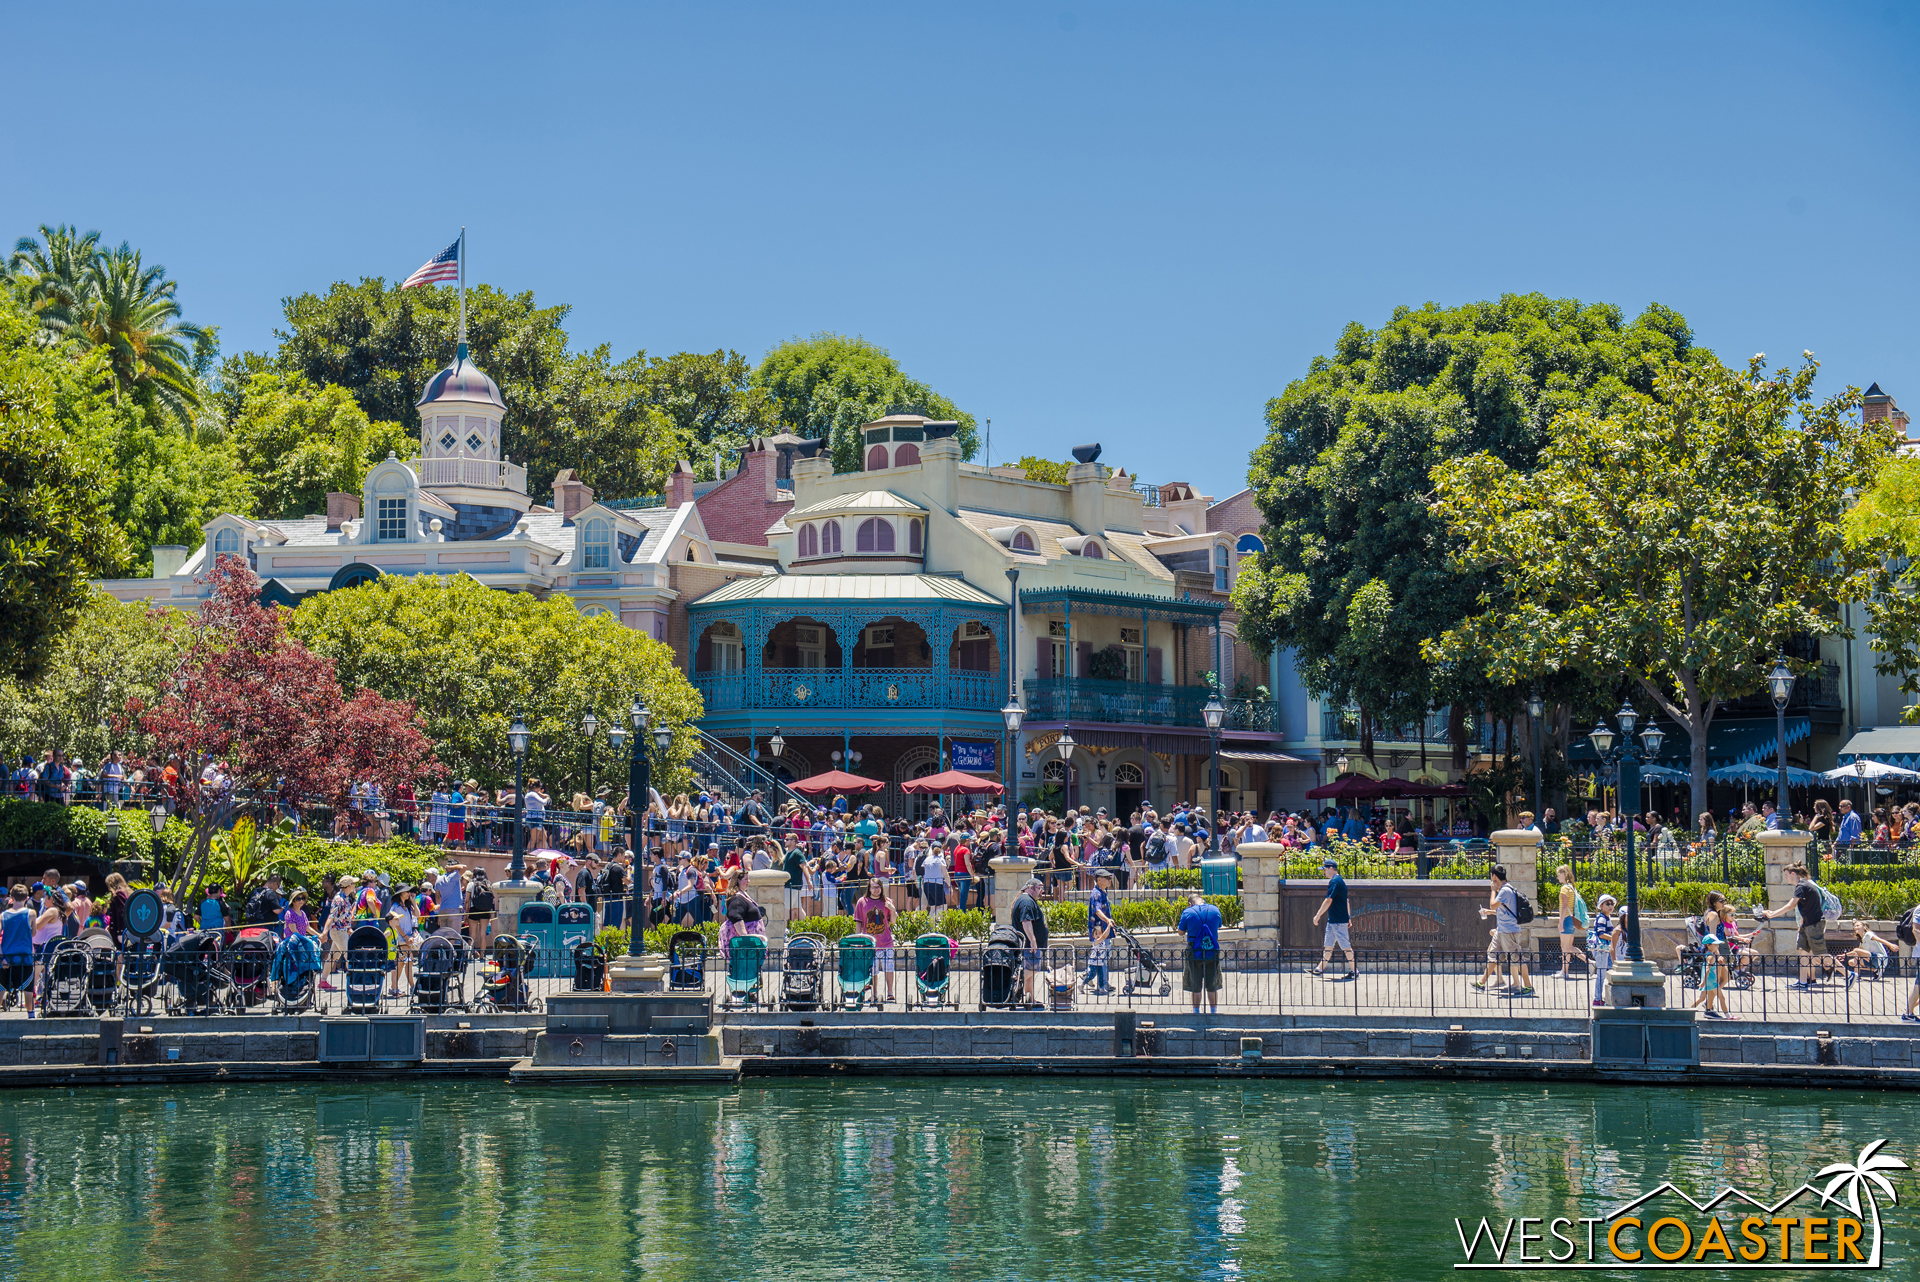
{"points": [[1087, 453], [143, 913]]}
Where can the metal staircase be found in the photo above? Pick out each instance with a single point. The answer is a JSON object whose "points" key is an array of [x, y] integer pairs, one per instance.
{"points": [[721, 769]]}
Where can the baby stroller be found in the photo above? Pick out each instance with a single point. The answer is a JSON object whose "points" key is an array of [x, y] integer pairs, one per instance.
{"points": [[140, 974], [1143, 972], [366, 968], [293, 975], [68, 967], [589, 967], [746, 964], [1001, 965], [687, 961], [856, 971], [932, 969], [1693, 962], [103, 972], [439, 976], [800, 977], [190, 965], [249, 967], [503, 986]]}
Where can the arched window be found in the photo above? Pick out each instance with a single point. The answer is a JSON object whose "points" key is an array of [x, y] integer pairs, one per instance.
{"points": [[1128, 772], [875, 535], [913, 537], [876, 458], [1054, 772], [829, 538], [226, 543], [1220, 564], [1022, 541], [1250, 545], [1091, 551], [809, 541], [906, 455], [597, 546]]}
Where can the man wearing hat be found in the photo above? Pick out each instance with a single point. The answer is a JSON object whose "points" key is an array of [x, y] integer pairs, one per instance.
{"points": [[337, 916], [1334, 909], [1031, 922], [1100, 930]]}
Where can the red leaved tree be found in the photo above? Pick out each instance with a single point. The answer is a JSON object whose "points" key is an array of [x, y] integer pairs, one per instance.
{"points": [[270, 716]]}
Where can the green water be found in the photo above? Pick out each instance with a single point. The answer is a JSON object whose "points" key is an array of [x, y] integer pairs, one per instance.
{"points": [[871, 1179]]}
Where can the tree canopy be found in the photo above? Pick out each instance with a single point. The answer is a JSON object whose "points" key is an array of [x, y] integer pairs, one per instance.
{"points": [[115, 652], [829, 384], [297, 441], [1675, 539], [1358, 569], [471, 658]]}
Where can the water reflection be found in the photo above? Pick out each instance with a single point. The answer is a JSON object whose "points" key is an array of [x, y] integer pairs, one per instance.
{"points": [[866, 1179]]}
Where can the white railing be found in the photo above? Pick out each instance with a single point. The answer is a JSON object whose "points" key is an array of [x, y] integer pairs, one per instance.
{"points": [[480, 473]]}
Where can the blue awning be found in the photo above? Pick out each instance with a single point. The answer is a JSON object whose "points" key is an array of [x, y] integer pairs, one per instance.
{"points": [[1730, 742], [1889, 745]]}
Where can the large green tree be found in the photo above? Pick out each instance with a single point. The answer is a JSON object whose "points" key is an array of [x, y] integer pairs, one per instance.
{"points": [[710, 399], [1358, 570], [829, 384], [296, 442], [115, 653], [56, 528], [1672, 541], [1886, 522], [471, 658]]}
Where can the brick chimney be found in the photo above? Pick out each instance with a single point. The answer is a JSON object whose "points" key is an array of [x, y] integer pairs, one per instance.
{"points": [[762, 466], [680, 485], [341, 508], [571, 495], [1877, 405]]}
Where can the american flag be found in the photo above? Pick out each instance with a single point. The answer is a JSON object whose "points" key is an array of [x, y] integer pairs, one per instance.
{"points": [[444, 265]]}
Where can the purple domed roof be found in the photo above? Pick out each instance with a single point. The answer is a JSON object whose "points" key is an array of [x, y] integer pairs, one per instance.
{"points": [[461, 381]]}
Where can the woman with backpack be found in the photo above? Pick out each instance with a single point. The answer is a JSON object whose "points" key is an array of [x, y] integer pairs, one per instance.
{"points": [[1573, 921]]}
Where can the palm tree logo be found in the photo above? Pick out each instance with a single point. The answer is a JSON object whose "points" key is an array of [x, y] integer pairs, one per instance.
{"points": [[1864, 1173]]}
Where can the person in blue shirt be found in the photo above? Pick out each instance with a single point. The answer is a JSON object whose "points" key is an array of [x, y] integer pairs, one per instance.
{"points": [[1200, 923], [1849, 826], [213, 915], [1333, 909], [1356, 827], [1100, 931]]}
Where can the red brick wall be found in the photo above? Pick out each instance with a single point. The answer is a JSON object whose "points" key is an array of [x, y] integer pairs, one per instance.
{"points": [[1240, 514], [737, 510]]}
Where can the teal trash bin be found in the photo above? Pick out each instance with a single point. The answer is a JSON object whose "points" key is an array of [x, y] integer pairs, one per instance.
{"points": [[1220, 876], [572, 923], [539, 926]]}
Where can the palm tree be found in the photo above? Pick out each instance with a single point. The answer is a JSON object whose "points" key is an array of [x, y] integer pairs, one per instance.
{"points": [[51, 278], [130, 311], [1864, 1173]]}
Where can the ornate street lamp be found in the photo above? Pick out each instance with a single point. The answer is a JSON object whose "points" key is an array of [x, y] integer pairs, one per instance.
{"points": [[1065, 746], [1626, 764], [589, 725], [1213, 714], [519, 741], [779, 745], [1536, 708], [1013, 714], [1780, 685], [639, 801]]}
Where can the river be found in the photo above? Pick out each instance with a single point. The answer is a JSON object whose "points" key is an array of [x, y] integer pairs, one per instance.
{"points": [[873, 1179]]}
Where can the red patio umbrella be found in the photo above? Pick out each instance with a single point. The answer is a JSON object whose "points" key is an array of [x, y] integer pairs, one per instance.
{"points": [[954, 781], [1359, 788], [835, 781]]}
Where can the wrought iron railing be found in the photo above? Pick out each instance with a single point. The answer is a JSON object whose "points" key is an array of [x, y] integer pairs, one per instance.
{"points": [[847, 688], [1138, 703]]}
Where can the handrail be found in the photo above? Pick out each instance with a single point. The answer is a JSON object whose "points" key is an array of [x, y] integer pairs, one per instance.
{"points": [[732, 761]]}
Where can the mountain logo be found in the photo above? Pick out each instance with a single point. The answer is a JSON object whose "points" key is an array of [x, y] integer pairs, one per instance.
{"points": [[1832, 1227]]}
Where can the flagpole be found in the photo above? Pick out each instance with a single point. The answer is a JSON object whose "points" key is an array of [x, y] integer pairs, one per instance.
{"points": [[462, 354]]}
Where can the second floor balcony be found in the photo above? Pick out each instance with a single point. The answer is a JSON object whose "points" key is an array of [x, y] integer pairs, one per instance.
{"points": [[849, 688], [1090, 699]]}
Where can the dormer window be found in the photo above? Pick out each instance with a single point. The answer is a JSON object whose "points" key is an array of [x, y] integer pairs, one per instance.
{"points": [[392, 527], [809, 541], [1091, 550], [226, 543], [1022, 541], [875, 535], [597, 544]]}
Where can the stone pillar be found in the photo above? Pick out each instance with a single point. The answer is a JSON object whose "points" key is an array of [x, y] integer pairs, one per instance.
{"points": [[768, 886], [1010, 873], [1518, 850], [1777, 850], [507, 898], [1260, 863]]}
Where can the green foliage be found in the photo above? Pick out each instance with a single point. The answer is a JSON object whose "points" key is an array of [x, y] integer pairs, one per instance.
{"points": [[113, 653], [36, 825], [662, 935], [614, 941], [1356, 573], [244, 854], [1172, 879], [1886, 520], [297, 442], [307, 861], [829, 385], [164, 484], [1673, 538], [470, 658], [710, 402], [1042, 469], [56, 530], [834, 928], [1665, 898], [1048, 798], [1877, 900]]}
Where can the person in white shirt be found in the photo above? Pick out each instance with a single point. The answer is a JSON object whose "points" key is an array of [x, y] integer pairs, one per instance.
{"points": [[933, 883]]}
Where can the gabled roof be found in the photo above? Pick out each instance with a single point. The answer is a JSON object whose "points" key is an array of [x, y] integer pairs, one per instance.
{"points": [[849, 587], [862, 501]]}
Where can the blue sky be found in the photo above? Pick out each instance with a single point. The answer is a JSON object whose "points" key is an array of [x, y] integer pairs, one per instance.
{"points": [[1130, 224]]}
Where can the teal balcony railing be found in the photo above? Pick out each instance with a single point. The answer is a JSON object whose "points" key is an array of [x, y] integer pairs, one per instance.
{"points": [[1135, 703], [848, 688]]}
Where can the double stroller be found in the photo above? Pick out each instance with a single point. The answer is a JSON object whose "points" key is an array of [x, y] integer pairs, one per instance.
{"points": [[503, 983], [440, 973]]}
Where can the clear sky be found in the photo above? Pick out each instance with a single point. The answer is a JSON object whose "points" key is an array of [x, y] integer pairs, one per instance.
{"points": [[1129, 224]]}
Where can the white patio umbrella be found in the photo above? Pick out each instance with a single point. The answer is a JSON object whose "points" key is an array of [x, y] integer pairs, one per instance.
{"points": [[1872, 770]]}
